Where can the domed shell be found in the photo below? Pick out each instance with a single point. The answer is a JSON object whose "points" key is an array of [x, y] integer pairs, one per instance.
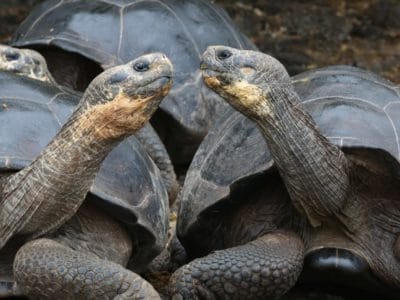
{"points": [[113, 32], [354, 108], [128, 184]]}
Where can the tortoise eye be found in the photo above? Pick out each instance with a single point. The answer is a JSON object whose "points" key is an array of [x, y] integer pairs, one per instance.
{"points": [[223, 54], [141, 66], [9, 56]]}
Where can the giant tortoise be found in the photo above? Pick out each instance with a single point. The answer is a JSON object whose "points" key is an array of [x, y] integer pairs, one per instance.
{"points": [[94, 34], [315, 182], [54, 243], [30, 63]]}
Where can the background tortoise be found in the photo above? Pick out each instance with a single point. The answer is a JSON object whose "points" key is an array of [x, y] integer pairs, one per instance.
{"points": [[127, 186], [30, 63], [24, 62], [234, 194], [95, 34]]}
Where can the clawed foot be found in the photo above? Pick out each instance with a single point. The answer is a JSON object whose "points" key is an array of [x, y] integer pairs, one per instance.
{"points": [[46, 269], [262, 269]]}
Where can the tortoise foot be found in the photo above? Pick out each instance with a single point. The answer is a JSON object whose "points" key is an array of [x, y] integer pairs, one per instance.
{"points": [[46, 269], [264, 268]]}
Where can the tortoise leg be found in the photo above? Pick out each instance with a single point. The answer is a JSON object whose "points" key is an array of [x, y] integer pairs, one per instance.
{"points": [[46, 269], [148, 137], [262, 269]]}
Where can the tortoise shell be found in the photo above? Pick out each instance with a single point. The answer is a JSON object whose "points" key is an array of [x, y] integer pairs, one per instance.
{"points": [[113, 32], [355, 109], [128, 183]]}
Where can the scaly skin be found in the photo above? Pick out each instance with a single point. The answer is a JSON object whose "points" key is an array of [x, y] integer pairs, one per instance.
{"points": [[46, 269], [265, 268], [84, 259], [93, 232], [40, 199]]}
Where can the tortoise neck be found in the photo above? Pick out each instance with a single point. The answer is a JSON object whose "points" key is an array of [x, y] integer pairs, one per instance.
{"points": [[313, 169], [78, 147], [55, 184]]}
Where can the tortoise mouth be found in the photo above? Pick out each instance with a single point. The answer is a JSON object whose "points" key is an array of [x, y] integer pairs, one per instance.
{"points": [[215, 77], [208, 70], [209, 73], [159, 82], [159, 85]]}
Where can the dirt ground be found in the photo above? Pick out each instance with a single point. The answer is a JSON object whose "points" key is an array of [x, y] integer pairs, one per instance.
{"points": [[307, 34], [302, 34]]}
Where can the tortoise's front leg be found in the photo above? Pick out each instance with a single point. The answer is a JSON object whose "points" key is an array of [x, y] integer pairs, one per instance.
{"points": [[265, 268], [46, 269]]}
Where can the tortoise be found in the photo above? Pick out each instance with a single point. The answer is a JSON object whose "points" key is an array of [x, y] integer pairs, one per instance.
{"points": [[94, 34], [78, 248], [24, 62], [306, 174], [30, 63]]}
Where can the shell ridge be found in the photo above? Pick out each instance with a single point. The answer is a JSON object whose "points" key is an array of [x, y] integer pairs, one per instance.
{"points": [[53, 98], [333, 70], [395, 133], [49, 40], [112, 3], [26, 99], [121, 30], [185, 28], [390, 103], [211, 151], [51, 109], [41, 17], [344, 98], [225, 22]]}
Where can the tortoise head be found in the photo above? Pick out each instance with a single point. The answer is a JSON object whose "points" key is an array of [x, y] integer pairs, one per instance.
{"points": [[121, 99], [24, 62], [244, 78]]}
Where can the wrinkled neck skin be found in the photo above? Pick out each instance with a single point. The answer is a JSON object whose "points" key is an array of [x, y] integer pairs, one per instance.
{"points": [[49, 191], [315, 171]]}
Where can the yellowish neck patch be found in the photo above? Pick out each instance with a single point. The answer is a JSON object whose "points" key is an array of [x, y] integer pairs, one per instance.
{"points": [[122, 116], [243, 95]]}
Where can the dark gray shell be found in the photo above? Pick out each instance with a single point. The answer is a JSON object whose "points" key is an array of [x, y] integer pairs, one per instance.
{"points": [[128, 184], [113, 32], [352, 107]]}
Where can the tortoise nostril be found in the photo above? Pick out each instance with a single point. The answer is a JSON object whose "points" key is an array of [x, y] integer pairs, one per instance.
{"points": [[9, 56], [141, 66], [223, 54]]}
